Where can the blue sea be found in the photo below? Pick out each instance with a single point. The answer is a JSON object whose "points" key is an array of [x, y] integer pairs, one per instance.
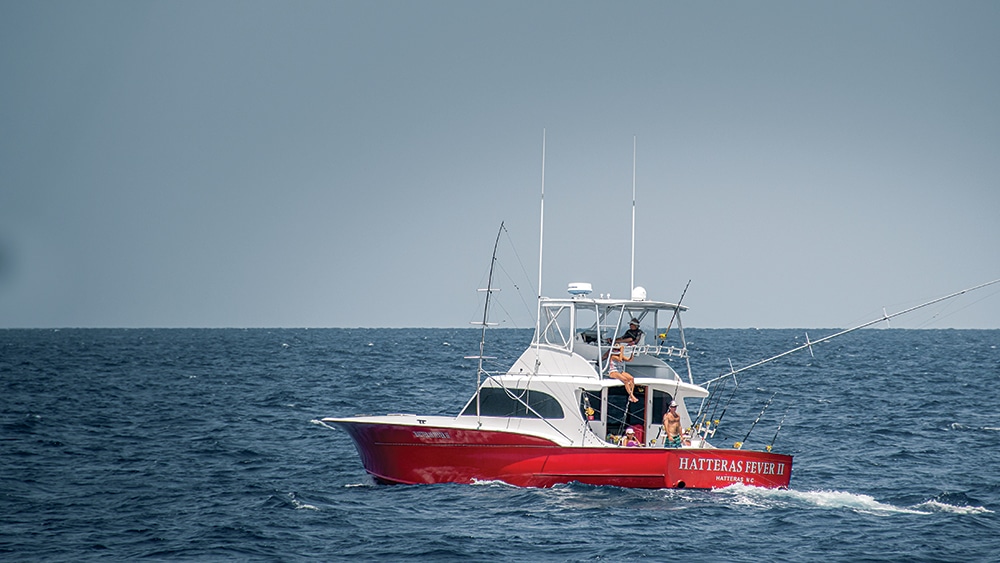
{"points": [[207, 445]]}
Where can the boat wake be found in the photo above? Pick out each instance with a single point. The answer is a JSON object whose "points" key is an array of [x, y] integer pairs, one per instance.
{"points": [[298, 504], [960, 426], [865, 504], [937, 506], [493, 483], [321, 423]]}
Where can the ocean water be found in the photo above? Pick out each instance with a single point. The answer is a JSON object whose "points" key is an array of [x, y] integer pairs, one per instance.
{"points": [[206, 445]]}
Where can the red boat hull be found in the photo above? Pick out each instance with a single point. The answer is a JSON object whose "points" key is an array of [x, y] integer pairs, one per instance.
{"points": [[406, 454]]}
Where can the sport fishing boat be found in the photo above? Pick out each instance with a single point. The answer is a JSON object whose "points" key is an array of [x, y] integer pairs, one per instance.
{"points": [[561, 414], [587, 401]]}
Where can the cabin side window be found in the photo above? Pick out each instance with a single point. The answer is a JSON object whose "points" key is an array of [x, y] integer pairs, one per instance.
{"points": [[518, 403]]}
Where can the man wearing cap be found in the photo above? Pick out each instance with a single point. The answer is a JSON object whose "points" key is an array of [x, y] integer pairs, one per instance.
{"points": [[632, 336], [672, 426]]}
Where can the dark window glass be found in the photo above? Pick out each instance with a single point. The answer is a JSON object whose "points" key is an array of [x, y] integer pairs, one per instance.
{"points": [[661, 401], [497, 402], [622, 413]]}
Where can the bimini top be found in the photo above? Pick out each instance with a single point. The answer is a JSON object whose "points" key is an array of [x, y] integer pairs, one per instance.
{"points": [[579, 331]]}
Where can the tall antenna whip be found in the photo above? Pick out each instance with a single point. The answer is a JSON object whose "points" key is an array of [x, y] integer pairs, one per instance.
{"points": [[541, 237], [632, 281]]}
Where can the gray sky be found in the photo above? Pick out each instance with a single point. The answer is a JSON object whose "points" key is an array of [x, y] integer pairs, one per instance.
{"points": [[314, 164]]}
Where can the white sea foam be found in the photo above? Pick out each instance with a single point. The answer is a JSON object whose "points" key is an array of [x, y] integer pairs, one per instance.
{"points": [[935, 506], [784, 498], [492, 482], [960, 426], [319, 422], [299, 505]]}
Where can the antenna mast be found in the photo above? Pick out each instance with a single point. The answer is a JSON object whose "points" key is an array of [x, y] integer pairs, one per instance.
{"points": [[541, 237], [632, 281]]}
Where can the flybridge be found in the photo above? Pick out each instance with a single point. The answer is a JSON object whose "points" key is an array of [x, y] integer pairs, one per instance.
{"points": [[588, 328]]}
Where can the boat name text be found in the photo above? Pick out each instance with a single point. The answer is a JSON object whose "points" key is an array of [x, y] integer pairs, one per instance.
{"points": [[731, 466], [431, 434]]}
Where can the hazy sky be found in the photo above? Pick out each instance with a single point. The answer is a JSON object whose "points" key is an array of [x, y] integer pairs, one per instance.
{"points": [[343, 164]]}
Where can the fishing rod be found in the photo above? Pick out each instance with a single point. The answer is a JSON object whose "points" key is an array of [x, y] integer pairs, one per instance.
{"points": [[771, 445], [674, 316], [701, 428], [486, 312], [885, 317], [715, 407], [708, 431], [739, 444], [711, 402], [728, 401]]}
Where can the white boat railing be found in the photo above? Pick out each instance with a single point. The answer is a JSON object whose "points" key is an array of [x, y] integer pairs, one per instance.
{"points": [[659, 350]]}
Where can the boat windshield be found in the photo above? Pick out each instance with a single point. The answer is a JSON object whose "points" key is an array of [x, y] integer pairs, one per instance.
{"points": [[590, 327], [600, 322]]}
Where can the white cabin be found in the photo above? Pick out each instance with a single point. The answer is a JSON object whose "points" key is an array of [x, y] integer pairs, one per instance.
{"points": [[560, 389]]}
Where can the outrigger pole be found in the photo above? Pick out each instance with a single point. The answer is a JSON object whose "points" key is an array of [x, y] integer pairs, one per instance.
{"points": [[885, 317]]}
